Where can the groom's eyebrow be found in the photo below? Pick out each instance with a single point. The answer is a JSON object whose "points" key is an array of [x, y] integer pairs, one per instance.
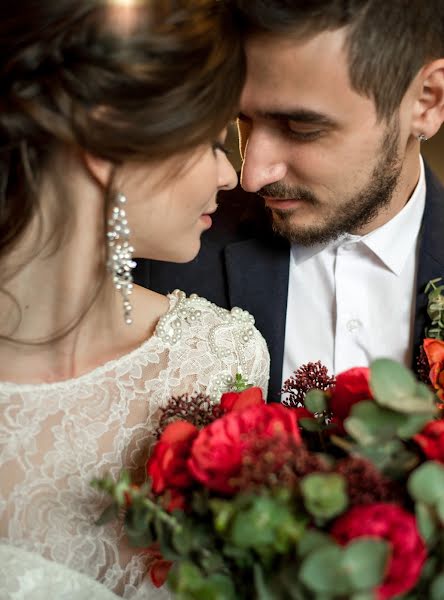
{"points": [[300, 115]]}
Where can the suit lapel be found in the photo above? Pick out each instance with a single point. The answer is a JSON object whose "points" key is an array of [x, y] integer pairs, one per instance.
{"points": [[257, 274], [431, 252]]}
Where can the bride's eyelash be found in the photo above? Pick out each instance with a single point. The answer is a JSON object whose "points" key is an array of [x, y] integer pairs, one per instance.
{"points": [[220, 146]]}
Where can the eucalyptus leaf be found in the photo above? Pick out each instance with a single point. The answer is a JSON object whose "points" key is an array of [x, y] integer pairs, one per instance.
{"points": [[311, 425], [426, 483], [391, 458], [365, 561], [325, 494], [395, 387], [426, 522], [312, 540], [412, 425], [315, 401], [437, 588], [370, 423], [322, 571]]}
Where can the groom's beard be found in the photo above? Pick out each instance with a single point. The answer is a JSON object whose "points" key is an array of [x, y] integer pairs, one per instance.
{"points": [[349, 215]]}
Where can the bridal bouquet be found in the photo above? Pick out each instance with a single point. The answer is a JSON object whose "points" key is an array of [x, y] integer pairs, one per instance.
{"points": [[338, 492]]}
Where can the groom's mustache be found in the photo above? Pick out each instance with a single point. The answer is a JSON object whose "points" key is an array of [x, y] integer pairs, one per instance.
{"points": [[286, 192]]}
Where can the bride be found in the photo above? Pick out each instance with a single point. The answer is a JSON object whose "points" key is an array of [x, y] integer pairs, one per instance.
{"points": [[111, 129]]}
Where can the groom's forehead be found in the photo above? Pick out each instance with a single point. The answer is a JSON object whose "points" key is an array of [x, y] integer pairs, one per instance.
{"points": [[296, 79]]}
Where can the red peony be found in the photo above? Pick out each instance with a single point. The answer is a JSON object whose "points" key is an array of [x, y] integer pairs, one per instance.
{"points": [[217, 452], [398, 527], [352, 386], [167, 466], [431, 440], [241, 400], [434, 350]]}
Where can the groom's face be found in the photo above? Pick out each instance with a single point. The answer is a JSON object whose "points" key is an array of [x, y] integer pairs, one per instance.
{"points": [[312, 146]]}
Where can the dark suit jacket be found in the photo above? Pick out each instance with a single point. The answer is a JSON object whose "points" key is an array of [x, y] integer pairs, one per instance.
{"points": [[243, 263]]}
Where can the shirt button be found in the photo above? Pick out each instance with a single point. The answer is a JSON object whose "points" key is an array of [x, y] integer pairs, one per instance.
{"points": [[353, 325]]}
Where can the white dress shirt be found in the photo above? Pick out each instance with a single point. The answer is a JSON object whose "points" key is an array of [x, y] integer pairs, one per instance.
{"points": [[353, 300]]}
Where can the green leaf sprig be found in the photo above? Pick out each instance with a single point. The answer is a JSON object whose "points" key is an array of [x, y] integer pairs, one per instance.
{"points": [[435, 309]]}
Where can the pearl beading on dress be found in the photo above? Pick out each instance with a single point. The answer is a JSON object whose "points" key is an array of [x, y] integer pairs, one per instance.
{"points": [[189, 310]]}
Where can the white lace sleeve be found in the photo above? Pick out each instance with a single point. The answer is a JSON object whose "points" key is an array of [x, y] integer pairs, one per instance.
{"points": [[28, 576]]}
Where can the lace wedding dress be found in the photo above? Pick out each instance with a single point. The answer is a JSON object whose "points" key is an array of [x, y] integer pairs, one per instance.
{"points": [[56, 437]]}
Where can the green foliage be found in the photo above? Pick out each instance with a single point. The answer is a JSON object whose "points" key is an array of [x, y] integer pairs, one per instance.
{"points": [[263, 524], [435, 309], [188, 582], [315, 401], [426, 483], [395, 387], [240, 384], [371, 424], [324, 494], [357, 568]]}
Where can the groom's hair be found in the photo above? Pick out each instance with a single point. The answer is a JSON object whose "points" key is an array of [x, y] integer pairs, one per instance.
{"points": [[388, 41]]}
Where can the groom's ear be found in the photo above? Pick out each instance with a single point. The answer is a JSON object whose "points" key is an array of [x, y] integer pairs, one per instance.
{"points": [[99, 169], [428, 110]]}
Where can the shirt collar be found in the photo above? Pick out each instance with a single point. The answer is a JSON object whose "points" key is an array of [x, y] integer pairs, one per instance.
{"points": [[391, 242]]}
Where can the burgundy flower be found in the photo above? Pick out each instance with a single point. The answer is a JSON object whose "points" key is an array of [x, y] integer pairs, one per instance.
{"points": [[391, 523]]}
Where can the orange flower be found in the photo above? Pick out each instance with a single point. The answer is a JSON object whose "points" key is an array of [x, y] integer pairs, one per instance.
{"points": [[434, 350]]}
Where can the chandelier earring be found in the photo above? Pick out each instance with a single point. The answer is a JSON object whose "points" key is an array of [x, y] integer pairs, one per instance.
{"points": [[120, 254]]}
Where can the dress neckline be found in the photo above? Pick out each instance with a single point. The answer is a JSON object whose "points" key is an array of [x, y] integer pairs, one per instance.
{"points": [[174, 298]]}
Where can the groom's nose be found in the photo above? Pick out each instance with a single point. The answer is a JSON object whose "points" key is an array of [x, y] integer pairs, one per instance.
{"points": [[263, 162]]}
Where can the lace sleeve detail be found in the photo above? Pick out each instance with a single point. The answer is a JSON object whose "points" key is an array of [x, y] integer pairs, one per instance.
{"points": [[28, 576]]}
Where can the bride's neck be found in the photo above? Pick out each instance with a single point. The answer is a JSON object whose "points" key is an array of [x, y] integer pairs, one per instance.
{"points": [[59, 313]]}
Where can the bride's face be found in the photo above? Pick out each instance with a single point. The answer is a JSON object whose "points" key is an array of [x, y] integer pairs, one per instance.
{"points": [[170, 203]]}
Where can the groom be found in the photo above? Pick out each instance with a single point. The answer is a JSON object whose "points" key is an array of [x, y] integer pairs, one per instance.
{"points": [[340, 225]]}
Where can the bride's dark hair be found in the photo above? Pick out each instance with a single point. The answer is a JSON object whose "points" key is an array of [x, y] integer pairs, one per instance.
{"points": [[70, 73]]}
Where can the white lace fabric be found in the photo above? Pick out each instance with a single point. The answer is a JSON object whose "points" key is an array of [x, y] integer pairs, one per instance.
{"points": [[56, 437]]}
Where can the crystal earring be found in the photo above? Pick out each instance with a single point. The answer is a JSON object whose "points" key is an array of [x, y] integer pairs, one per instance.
{"points": [[422, 138], [120, 254]]}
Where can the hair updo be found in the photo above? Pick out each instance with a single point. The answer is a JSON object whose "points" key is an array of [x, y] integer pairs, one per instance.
{"points": [[69, 73]]}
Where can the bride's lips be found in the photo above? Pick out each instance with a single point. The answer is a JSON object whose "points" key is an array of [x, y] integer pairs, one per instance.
{"points": [[206, 218], [282, 203]]}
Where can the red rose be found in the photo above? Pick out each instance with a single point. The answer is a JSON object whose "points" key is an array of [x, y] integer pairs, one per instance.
{"points": [[352, 386], [167, 466], [434, 350], [398, 527], [217, 452], [431, 440], [241, 400]]}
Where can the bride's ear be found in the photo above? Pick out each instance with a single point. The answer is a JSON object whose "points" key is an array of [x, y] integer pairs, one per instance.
{"points": [[100, 170]]}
